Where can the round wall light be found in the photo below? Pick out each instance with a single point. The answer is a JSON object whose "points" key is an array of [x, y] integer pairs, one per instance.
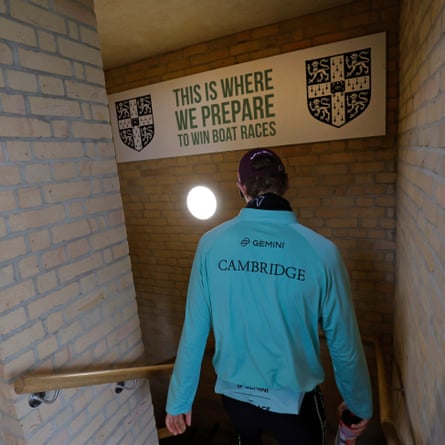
{"points": [[201, 202]]}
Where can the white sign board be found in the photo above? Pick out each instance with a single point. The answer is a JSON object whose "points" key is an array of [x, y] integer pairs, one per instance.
{"points": [[328, 92]]}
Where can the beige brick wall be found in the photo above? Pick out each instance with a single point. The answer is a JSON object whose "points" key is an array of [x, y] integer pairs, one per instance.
{"points": [[67, 299], [420, 291], [344, 189]]}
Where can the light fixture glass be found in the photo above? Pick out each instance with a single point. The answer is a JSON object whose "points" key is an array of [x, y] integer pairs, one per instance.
{"points": [[201, 202]]}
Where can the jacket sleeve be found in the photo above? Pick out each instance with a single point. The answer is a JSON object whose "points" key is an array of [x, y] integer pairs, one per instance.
{"points": [[195, 331], [339, 323]]}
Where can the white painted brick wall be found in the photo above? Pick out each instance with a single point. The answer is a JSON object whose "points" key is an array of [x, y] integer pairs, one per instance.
{"points": [[420, 297], [67, 295]]}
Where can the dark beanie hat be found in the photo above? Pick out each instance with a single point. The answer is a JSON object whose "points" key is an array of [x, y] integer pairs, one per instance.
{"points": [[246, 169]]}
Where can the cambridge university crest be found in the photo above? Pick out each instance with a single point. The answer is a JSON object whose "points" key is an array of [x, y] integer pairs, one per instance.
{"points": [[135, 121], [339, 87]]}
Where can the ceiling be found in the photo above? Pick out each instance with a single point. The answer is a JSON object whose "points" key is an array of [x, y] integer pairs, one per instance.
{"points": [[133, 30]]}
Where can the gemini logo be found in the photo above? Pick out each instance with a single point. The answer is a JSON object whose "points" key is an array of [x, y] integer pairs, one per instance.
{"points": [[262, 243], [245, 242]]}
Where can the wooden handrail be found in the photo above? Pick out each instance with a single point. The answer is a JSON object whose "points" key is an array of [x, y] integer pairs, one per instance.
{"points": [[33, 383], [386, 420]]}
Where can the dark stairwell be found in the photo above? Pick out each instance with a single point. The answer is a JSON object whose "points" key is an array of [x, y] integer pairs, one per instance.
{"points": [[211, 426]]}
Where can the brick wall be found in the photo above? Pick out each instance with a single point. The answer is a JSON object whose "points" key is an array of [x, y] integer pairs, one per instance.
{"points": [[67, 298], [343, 189], [420, 291]]}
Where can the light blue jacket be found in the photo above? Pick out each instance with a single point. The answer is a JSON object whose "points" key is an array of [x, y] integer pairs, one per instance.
{"points": [[265, 284]]}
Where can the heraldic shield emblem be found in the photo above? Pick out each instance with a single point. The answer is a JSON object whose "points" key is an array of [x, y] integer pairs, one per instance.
{"points": [[135, 121], [339, 87]]}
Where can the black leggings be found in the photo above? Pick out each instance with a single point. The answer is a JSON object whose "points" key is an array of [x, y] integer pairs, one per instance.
{"points": [[306, 428]]}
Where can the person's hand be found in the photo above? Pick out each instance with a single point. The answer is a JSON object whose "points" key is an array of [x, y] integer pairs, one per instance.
{"points": [[179, 423], [357, 428]]}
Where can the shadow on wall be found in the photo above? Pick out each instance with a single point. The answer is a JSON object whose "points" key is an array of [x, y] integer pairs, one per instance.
{"points": [[405, 428], [434, 413], [437, 426]]}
